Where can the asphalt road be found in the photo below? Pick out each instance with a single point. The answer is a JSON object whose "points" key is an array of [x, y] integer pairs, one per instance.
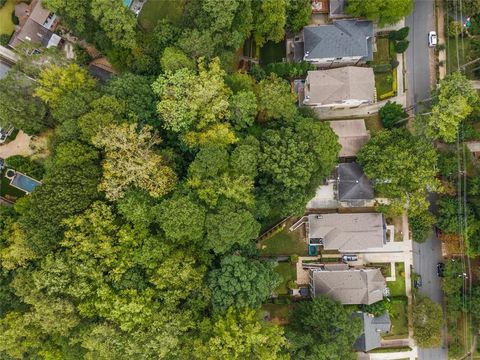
{"points": [[417, 55]]}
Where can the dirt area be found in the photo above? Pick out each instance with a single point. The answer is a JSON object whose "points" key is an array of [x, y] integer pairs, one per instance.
{"points": [[19, 146], [398, 224]]}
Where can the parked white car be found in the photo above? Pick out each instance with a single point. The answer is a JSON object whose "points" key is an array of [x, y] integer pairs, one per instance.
{"points": [[432, 39]]}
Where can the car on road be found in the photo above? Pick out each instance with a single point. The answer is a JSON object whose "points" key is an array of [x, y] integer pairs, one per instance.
{"points": [[346, 258], [440, 269], [432, 39]]}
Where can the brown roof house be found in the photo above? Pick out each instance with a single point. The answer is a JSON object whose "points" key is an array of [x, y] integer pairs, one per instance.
{"points": [[349, 287], [36, 25], [344, 87], [352, 135], [347, 233]]}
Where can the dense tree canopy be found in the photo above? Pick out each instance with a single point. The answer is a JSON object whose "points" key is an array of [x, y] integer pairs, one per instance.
{"points": [[402, 168], [322, 329], [241, 282], [427, 323], [381, 11]]}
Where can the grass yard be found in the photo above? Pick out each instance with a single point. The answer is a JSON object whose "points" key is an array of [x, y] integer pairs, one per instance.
{"points": [[382, 55], [6, 24], [452, 60], [284, 243], [279, 313], [155, 10], [383, 84], [399, 318], [397, 287], [272, 52], [288, 272]]}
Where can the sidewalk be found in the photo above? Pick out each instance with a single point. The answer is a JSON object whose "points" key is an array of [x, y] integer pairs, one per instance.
{"points": [[442, 54]]}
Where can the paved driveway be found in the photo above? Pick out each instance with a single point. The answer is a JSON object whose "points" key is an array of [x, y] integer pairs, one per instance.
{"points": [[418, 53]]}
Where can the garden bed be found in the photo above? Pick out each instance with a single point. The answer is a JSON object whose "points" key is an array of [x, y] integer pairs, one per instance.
{"points": [[385, 75], [279, 313], [385, 268]]}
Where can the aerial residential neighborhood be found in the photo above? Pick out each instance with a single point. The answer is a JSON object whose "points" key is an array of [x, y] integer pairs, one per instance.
{"points": [[240, 179]]}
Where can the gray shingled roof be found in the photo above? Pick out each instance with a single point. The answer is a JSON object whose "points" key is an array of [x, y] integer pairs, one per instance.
{"points": [[354, 286], [352, 183], [372, 328], [348, 232], [340, 39], [337, 8]]}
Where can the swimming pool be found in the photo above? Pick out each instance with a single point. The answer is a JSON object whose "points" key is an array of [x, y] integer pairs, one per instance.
{"points": [[127, 3], [24, 182]]}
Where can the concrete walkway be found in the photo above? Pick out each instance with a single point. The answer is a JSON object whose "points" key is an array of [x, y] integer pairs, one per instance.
{"points": [[442, 54], [412, 355], [19, 146]]}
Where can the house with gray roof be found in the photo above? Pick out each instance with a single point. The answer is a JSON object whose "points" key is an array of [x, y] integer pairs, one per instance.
{"points": [[340, 88], [352, 184], [349, 287], [36, 26], [352, 135], [347, 233], [373, 327], [344, 42]]}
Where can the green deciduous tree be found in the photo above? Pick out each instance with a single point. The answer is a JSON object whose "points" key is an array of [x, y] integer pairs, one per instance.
{"points": [[293, 161], [275, 99], [18, 107], [453, 102], [391, 113], [241, 282], [116, 20], [383, 12], [130, 160], [173, 59], [427, 323], [421, 225], [243, 109], [402, 168], [67, 90], [230, 225], [322, 329], [298, 14], [269, 20], [239, 334], [182, 219], [136, 93], [195, 105]]}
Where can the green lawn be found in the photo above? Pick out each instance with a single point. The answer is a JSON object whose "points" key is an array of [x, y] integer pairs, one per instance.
{"points": [[272, 52], [397, 287], [288, 272], [284, 243], [155, 10], [399, 318], [452, 61], [6, 24], [383, 83], [382, 55]]}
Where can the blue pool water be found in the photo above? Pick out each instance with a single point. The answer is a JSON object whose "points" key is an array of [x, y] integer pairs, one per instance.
{"points": [[312, 250], [127, 3], [24, 183]]}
